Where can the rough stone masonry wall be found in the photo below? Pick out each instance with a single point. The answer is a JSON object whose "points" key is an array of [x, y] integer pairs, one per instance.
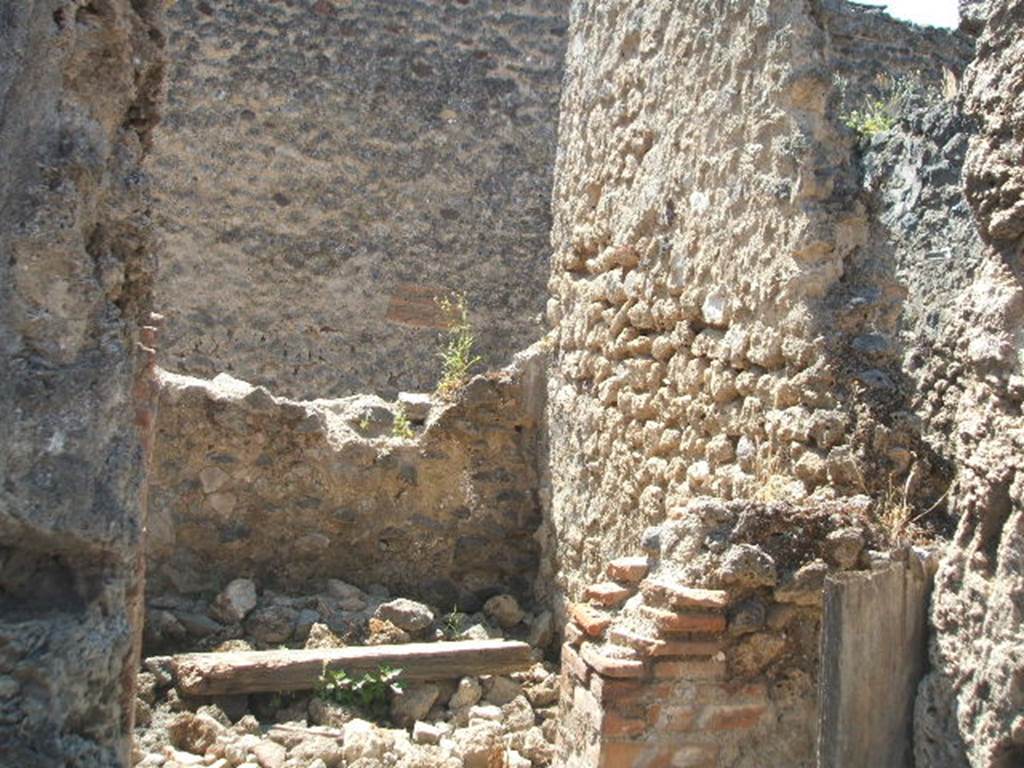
{"points": [[327, 167], [707, 341], [971, 706], [78, 88], [292, 493], [710, 342]]}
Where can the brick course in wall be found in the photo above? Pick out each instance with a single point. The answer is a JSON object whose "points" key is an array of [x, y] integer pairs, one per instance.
{"points": [[702, 659]]}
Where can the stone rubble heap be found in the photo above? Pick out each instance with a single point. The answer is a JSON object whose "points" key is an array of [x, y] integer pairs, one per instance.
{"points": [[482, 721], [239, 619]]}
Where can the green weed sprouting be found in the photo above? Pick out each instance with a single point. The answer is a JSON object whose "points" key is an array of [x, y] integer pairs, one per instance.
{"points": [[881, 112], [370, 694], [451, 624], [401, 427], [457, 358]]}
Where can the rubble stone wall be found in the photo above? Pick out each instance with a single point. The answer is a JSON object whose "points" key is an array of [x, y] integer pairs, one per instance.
{"points": [[708, 340], [79, 85], [969, 707], [734, 317], [291, 493], [327, 167]]}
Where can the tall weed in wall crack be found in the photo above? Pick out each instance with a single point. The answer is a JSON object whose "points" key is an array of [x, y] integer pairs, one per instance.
{"points": [[457, 358], [891, 99], [401, 427]]}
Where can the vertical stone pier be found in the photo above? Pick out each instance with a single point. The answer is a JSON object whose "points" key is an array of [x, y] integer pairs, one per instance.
{"points": [[79, 86]]}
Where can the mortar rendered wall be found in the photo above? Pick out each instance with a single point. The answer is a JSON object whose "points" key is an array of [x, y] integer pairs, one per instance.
{"points": [[327, 167], [79, 84]]}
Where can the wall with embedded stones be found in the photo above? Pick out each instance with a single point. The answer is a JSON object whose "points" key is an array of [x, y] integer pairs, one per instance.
{"points": [[78, 87], [701, 649], [971, 393], [292, 493], [708, 340], [734, 307], [326, 168]]}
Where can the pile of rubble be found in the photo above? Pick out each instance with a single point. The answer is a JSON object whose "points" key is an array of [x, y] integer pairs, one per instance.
{"points": [[468, 720]]}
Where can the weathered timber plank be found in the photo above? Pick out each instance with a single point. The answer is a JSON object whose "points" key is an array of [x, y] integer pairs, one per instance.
{"points": [[215, 674], [873, 655]]}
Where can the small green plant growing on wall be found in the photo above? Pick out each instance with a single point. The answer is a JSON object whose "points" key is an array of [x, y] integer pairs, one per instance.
{"points": [[401, 427], [451, 625], [371, 694], [457, 358], [879, 113]]}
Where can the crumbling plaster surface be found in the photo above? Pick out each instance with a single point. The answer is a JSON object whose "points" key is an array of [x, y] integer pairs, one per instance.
{"points": [[78, 88], [327, 167], [971, 707], [294, 492]]}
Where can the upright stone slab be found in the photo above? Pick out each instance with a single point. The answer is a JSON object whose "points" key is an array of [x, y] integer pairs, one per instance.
{"points": [[78, 87], [873, 656]]}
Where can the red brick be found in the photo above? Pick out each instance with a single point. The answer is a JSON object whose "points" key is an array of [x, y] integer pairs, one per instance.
{"points": [[652, 713], [688, 621], [732, 693], [647, 646], [676, 717], [611, 666], [608, 594], [731, 717], [629, 570], [615, 725], [573, 665], [689, 670], [609, 691], [695, 756], [681, 596], [592, 621], [629, 698], [411, 304], [634, 754], [689, 648]]}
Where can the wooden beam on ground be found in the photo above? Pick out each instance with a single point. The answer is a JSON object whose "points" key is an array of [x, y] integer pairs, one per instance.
{"points": [[217, 674]]}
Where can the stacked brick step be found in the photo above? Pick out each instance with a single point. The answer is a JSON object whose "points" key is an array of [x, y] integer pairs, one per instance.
{"points": [[644, 664]]}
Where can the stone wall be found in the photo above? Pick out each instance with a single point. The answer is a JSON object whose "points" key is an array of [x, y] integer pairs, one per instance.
{"points": [[327, 167], [734, 311], [709, 341], [79, 83], [969, 708], [292, 493]]}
